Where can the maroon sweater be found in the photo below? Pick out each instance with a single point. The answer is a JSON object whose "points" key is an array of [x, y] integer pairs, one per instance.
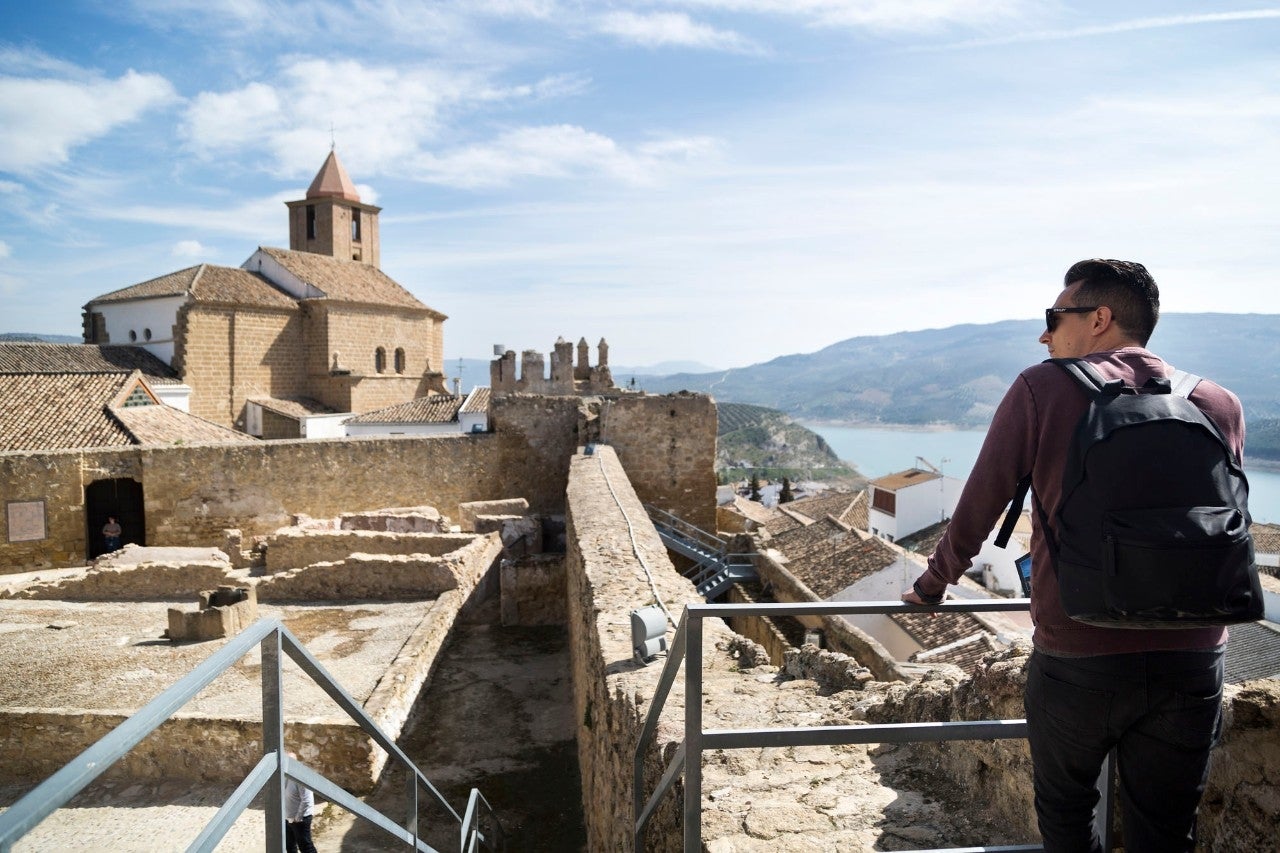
{"points": [[1032, 431]]}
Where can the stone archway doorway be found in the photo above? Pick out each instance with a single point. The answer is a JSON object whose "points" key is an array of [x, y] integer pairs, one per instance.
{"points": [[120, 497]]}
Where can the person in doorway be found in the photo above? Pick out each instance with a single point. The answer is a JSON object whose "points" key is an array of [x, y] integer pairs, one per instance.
{"points": [[111, 532], [1154, 695], [299, 804]]}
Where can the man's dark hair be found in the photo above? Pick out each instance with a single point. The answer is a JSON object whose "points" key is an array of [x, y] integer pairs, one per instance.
{"points": [[1123, 286]]}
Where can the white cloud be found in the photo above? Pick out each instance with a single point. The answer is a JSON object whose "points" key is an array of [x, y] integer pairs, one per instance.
{"points": [[218, 122], [189, 249], [402, 122], [877, 15], [555, 151], [256, 219], [379, 114], [1129, 26], [45, 118], [662, 29]]}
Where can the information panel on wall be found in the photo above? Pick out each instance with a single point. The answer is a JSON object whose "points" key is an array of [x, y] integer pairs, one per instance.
{"points": [[26, 521]]}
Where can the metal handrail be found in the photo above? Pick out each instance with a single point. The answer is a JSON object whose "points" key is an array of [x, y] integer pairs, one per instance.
{"points": [[686, 647], [684, 528], [268, 774], [472, 835]]}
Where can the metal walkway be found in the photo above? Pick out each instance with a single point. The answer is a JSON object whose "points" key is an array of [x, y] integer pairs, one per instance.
{"points": [[714, 569]]}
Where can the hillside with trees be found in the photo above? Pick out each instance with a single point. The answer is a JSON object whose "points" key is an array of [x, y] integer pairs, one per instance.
{"points": [[755, 440]]}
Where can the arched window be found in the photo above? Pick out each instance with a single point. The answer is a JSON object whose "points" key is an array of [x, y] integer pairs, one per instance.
{"points": [[399, 359], [380, 360]]}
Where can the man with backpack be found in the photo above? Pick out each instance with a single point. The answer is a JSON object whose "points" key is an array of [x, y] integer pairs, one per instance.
{"points": [[1152, 693]]}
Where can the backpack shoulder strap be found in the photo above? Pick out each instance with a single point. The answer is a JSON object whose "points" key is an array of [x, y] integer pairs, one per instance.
{"points": [[1088, 378], [1183, 383], [1015, 510]]}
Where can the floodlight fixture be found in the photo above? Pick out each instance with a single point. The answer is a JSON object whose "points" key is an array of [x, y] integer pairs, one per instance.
{"points": [[648, 633]]}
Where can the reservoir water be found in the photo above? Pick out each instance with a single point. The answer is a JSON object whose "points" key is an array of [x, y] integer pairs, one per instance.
{"points": [[877, 451]]}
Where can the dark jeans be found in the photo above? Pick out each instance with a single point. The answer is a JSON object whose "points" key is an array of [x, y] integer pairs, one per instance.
{"points": [[297, 836], [1162, 712]]}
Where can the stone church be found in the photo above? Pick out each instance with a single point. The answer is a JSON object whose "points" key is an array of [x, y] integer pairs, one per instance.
{"points": [[317, 328]]}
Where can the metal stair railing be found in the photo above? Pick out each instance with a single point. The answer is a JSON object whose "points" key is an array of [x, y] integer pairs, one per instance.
{"points": [[675, 524], [729, 569], [714, 568], [686, 647], [271, 771]]}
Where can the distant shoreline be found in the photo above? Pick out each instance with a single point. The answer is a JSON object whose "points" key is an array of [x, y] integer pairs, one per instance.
{"points": [[893, 427], [1251, 463]]}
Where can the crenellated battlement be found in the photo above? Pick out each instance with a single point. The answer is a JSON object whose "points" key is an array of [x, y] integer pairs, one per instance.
{"points": [[566, 377]]}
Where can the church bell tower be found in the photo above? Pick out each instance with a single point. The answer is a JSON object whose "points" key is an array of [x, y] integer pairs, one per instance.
{"points": [[332, 220]]}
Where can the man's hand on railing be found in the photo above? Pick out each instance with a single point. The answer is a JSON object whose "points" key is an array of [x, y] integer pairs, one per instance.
{"points": [[910, 596]]}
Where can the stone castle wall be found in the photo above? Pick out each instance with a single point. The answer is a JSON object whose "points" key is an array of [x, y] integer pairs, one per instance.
{"points": [[605, 582], [1239, 809], [661, 441], [192, 493]]}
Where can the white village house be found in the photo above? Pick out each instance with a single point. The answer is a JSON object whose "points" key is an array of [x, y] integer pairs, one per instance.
{"points": [[911, 500]]}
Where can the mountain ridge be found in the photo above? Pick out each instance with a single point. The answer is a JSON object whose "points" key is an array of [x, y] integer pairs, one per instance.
{"points": [[955, 376]]}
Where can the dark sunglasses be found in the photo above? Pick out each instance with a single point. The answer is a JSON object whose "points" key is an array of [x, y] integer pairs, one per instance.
{"points": [[1051, 314]]}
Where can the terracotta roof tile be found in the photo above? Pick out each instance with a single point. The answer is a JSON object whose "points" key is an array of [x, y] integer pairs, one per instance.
{"points": [[1254, 652], [167, 425], [50, 411], [236, 286], [902, 479], [856, 515], [438, 409], [923, 541], [1266, 538], [169, 284], [835, 504], [60, 411], [85, 358], [294, 407], [206, 283], [346, 281], [478, 400], [965, 653], [829, 558], [931, 632]]}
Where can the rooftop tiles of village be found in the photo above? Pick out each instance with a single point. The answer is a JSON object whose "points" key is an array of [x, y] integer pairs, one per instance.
{"points": [[902, 479], [37, 358], [294, 407], [439, 409], [52, 411]]}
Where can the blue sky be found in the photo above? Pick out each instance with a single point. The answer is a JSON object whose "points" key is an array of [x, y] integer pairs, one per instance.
{"points": [[722, 181]]}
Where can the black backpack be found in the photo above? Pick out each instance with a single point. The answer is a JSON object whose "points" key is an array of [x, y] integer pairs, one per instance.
{"points": [[1153, 527]]}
